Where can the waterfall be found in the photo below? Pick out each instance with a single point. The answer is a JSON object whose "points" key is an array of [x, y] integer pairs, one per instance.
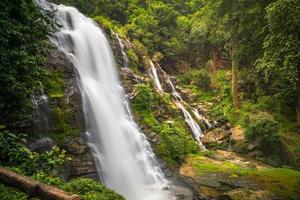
{"points": [[201, 118], [194, 127], [124, 54], [154, 76], [40, 112], [124, 158]]}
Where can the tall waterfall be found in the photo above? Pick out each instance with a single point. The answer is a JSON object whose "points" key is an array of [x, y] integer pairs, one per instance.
{"points": [[125, 160]]}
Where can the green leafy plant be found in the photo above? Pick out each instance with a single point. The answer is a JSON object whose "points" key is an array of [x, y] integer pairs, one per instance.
{"points": [[91, 190]]}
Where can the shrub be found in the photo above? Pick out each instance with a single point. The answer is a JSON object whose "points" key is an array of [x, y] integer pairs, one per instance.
{"points": [[8, 193], [199, 78], [14, 153], [133, 61], [144, 100], [263, 129], [91, 190]]}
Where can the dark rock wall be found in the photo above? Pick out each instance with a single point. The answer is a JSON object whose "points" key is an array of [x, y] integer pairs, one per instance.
{"points": [[71, 136]]}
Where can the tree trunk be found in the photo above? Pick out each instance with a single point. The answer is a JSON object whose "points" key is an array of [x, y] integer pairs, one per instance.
{"points": [[234, 78], [215, 62], [34, 188], [298, 98]]}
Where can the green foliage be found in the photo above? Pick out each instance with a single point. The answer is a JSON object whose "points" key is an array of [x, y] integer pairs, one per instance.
{"points": [[114, 9], [85, 6], [280, 62], [263, 129], [178, 144], [144, 101], [90, 190], [54, 84], [134, 62], [24, 43], [48, 179], [174, 141], [61, 126], [7, 193], [13, 152], [199, 78]]}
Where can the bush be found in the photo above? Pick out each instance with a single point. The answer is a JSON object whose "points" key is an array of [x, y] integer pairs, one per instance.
{"points": [[13, 152], [177, 143], [91, 190], [144, 100], [263, 129], [8, 193], [199, 78]]}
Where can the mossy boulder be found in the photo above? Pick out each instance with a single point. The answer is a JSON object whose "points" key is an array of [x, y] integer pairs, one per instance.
{"points": [[222, 172]]}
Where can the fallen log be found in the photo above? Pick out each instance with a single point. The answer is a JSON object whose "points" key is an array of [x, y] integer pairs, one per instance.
{"points": [[34, 188]]}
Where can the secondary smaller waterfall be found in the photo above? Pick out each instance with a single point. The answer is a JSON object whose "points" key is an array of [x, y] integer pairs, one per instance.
{"points": [[194, 127], [154, 76], [122, 47], [40, 112], [201, 118]]}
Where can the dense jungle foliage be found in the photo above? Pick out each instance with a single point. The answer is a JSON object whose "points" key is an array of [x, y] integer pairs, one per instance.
{"points": [[243, 55]]}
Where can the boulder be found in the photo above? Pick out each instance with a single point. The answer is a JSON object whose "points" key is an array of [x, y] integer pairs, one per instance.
{"points": [[217, 135], [243, 193], [41, 145], [238, 134]]}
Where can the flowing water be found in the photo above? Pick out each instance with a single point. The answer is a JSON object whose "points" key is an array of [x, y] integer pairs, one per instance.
{"points": [[154, 76], [193, 125], [122, 47], [124, 158]]}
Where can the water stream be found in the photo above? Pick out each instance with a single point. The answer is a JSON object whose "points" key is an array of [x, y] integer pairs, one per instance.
{"points": [[122, 48], [193, 125]]}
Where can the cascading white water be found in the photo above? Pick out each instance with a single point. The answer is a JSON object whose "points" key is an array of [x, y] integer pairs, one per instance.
{"points": [[194, 127], [124, 158], [122, 47], [154, 76], [201, 118]]}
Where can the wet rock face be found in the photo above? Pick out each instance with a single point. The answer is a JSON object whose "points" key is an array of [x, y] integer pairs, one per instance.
{"points": [[42, 145], [70, 112], [81, 163]]}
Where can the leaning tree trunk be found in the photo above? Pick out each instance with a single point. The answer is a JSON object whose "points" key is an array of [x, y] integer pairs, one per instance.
{"points": [[234, 78], [34, 188]]}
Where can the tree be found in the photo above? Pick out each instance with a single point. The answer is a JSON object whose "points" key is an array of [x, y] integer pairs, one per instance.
{"points": [[114, 9], [281, 60], [236, 26], [23, 43]]}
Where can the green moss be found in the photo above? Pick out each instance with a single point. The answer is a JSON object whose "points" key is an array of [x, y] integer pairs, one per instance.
{"points": [[281, 181], [54, 84], [61, 128]]}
